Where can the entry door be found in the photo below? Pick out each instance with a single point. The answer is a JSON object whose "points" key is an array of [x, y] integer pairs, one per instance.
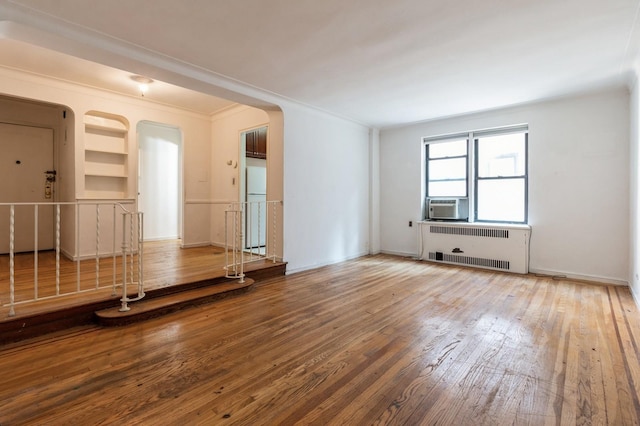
{"points": [[26, 154]]}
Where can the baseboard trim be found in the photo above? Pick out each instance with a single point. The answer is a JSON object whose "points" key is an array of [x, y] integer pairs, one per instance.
{"points": [[400, 253], [579, 277], [200, 244]]}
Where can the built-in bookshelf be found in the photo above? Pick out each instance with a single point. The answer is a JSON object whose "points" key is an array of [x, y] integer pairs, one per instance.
{"points": [[106, 157]]}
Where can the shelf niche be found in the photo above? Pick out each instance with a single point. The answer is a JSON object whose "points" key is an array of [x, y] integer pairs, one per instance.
{"points": [[106, 156]]}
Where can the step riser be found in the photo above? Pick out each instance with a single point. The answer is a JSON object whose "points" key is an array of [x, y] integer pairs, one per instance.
{"points": [[164, 310], [23, 328]]}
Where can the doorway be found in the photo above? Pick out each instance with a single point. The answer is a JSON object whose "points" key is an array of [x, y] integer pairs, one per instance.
{"points": [[254, 186], [160, 180], [26, 155]]}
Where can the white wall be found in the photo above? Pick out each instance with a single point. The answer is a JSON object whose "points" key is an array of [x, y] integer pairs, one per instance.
{"points": [[578, 182], [226, 128], [326, 181], [634, 195], [374, 191], [326, 189], [196, 130]]}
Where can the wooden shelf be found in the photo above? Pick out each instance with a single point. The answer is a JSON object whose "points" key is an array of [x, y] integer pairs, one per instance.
{"points": [[104, 128], [106, 151], [106, 174]]}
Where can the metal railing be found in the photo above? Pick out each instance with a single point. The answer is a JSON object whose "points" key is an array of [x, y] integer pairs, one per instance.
{"points": [[74, 243], [84, 233], [250, 232]]}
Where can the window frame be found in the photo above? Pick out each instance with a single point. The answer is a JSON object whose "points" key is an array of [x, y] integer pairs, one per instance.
{"points": [[478, 178], [472, 175], [437, 140]]}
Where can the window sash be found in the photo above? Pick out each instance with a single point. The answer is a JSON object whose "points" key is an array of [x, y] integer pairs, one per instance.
{"points": [[479, 205], [461, 176], [494, 207]]}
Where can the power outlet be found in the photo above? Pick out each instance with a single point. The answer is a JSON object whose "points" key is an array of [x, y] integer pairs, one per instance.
{"points": [[410, 223]]}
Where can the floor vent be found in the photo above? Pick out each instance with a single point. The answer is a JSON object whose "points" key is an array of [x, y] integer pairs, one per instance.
{"points": [[468, 260], [470, 231]]}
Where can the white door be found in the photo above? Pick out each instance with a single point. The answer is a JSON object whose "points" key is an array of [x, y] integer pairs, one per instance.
{"points": [[26, 155]]}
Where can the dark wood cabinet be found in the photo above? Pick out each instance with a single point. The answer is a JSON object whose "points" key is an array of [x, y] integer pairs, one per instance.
{"points": [[256, 143]]}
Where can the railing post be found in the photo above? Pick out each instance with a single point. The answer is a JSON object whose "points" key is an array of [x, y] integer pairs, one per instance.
{"points": [[12, 289], [273, 233], [140, 255], [113, 251], [237, 250], [124, 307], [78, 252], [243, 206], [131, 248], [226, 242], [97, 246], [57, 249], [260, 230], [35, 251]]}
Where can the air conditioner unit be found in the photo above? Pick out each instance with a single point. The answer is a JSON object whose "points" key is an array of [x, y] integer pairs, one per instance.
{"points": [[448, 208]]}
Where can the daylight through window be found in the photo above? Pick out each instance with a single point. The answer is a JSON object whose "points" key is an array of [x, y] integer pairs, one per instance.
{"points": [[497, 162]]}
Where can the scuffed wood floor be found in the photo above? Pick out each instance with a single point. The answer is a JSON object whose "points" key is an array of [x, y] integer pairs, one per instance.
{"points": [[376, 340], [165, 264]]}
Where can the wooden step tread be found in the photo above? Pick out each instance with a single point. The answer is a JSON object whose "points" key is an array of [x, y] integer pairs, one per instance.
{"points": [[156, 306]]}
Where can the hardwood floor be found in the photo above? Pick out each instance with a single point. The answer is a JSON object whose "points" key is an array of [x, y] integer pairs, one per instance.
{"points": [[166, 264], [376, 340]]}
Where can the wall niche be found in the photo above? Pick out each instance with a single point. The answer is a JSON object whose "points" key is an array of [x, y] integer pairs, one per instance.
{"points": [[106, 156]]}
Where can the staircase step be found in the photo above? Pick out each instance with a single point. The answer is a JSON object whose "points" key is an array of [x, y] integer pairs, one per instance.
{"points": [[56, 315], [150, 307]]}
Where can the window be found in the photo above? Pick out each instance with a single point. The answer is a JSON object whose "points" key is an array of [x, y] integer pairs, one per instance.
{"points": [[497, 161], [447, 168], [501, 178]]}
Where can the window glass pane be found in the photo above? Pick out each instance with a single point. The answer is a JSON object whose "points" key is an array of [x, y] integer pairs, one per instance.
{"points": [[450, 168], [503, 155], [501, 200], [448, 188], [448, 149]]}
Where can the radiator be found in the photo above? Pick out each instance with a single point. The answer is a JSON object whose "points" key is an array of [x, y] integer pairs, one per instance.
{"points": [[503, 247]]}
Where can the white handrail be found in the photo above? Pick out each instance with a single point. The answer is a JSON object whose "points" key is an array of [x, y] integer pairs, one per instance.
{"points": [[128, 253], [239, 247]]}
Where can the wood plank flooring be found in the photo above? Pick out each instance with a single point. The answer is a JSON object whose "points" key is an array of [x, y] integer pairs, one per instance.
{"points": [[376, 340], [166, 264]]}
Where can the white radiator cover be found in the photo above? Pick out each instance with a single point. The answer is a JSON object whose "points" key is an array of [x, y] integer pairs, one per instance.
{"points": [[489, 246]]}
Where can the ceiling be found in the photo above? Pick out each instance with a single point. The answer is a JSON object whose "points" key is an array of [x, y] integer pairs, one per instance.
{"points": [[378, 62], [27, 57]]}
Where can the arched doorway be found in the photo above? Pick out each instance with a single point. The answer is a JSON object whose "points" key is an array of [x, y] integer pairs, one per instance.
{"points": [[160, 180]]}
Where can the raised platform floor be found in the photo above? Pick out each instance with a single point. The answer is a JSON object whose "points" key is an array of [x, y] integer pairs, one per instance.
{"points": [[174, 278]]}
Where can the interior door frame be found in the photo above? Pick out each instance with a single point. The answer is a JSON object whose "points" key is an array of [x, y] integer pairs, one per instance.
{"points": [[242, 171], [180, 160]]}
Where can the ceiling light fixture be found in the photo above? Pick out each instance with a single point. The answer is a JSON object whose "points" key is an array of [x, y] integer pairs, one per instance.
{"points": [[143, 83]]}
